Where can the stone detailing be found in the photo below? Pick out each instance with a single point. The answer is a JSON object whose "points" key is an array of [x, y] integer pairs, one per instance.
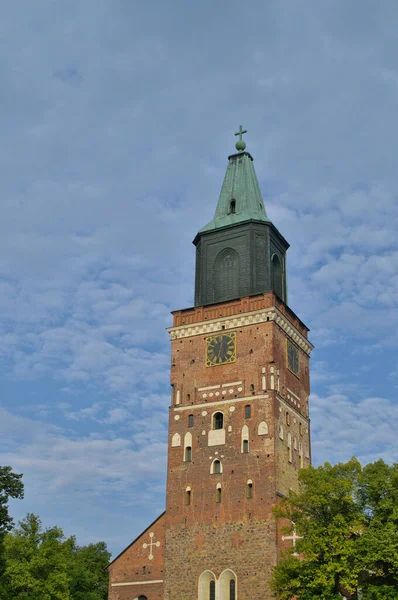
{"points": [[216, 437], [250, 318], [136, 582], [222, 389], [151, 545], [296, 414], [221, 402]]}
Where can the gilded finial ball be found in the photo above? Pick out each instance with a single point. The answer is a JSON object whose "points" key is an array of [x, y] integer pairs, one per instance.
{"points": [[240, 145]]}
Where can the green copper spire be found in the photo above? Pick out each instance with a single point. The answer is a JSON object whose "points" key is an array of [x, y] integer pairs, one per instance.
{"points": [[240, 198], [240, 252]]}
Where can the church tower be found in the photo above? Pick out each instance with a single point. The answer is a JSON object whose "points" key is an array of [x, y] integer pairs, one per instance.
{"points": [[239, 426]]}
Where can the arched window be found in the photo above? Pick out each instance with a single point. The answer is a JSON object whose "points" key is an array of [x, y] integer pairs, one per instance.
{"points": [[142, 598], [232, 207], [289, 446], [301, 455], [207, 586], [188, 493], [227, 585], [249, 490], [277, 276], [281, 431], [190, 420], [188, 454], [248, 411], [218, 420], [226, 275], [245, 439], [218, 493], [188, 447], [287, 418], [212, 590], [232, 589], [216, 467]]}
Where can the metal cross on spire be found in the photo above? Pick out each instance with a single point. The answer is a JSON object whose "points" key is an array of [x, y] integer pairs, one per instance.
{"points": [[240, 144]]}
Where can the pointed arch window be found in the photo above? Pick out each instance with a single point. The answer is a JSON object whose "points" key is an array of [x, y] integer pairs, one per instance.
{"points": [[232, 589], [212, 590], [216, 467], [245, 439], [188, 447], [249, 490], [277, 276], [226, 275], [218, 493], [188, 494], [218, 420], [248, 411], [232, 207], [289, 446]]}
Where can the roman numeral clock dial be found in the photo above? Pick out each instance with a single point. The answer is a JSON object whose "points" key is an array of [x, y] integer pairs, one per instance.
{"points": [[221, 349]]}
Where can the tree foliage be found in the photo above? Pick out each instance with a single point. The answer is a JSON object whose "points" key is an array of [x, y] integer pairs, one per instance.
{"points": [[347, 518], [11, 486], [44, 565]]}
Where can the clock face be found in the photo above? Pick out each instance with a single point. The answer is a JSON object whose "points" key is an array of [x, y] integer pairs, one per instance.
{"points": [[221, 349], [292, 358]]}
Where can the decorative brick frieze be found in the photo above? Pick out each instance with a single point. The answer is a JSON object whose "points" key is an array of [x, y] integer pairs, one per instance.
{"points": [[234, 322]]}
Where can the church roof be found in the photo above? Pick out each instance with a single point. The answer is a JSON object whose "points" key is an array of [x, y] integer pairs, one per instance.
{"points": [[240, 197]]}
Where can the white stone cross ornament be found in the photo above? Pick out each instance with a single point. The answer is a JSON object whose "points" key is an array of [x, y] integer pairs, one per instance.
{"points": [[294, 537], [150, 545]]}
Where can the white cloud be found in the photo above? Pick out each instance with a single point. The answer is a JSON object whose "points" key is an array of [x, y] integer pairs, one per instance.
{"points": [[117, 123]]}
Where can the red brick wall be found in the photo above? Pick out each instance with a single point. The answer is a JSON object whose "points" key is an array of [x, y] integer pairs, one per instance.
{"points": [[239, 533], [133, 565]]}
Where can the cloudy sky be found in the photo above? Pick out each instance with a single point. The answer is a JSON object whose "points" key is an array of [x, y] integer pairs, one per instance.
{"points": [[116, 120]]}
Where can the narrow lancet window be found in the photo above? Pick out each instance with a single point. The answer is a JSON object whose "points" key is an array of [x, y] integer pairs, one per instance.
{"points": [[188, 454], [249, 490], [218, 420], [212, 590], [232, 589], [218, 493], [216, 467]]}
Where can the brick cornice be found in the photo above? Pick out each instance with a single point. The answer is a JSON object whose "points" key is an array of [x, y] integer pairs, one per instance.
{"points": [[242, 320]]}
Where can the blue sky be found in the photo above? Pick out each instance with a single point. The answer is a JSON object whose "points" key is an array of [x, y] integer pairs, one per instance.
{"points": [[116, 121]]}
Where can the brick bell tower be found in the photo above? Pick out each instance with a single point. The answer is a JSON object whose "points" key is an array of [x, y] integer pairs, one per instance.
{"points": [[239, 425]]}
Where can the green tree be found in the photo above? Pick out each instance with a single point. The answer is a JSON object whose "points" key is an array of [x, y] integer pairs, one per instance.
{"points": [[88, 573], [37, 562], [347, 518], [11, 486], [44, 565]]}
